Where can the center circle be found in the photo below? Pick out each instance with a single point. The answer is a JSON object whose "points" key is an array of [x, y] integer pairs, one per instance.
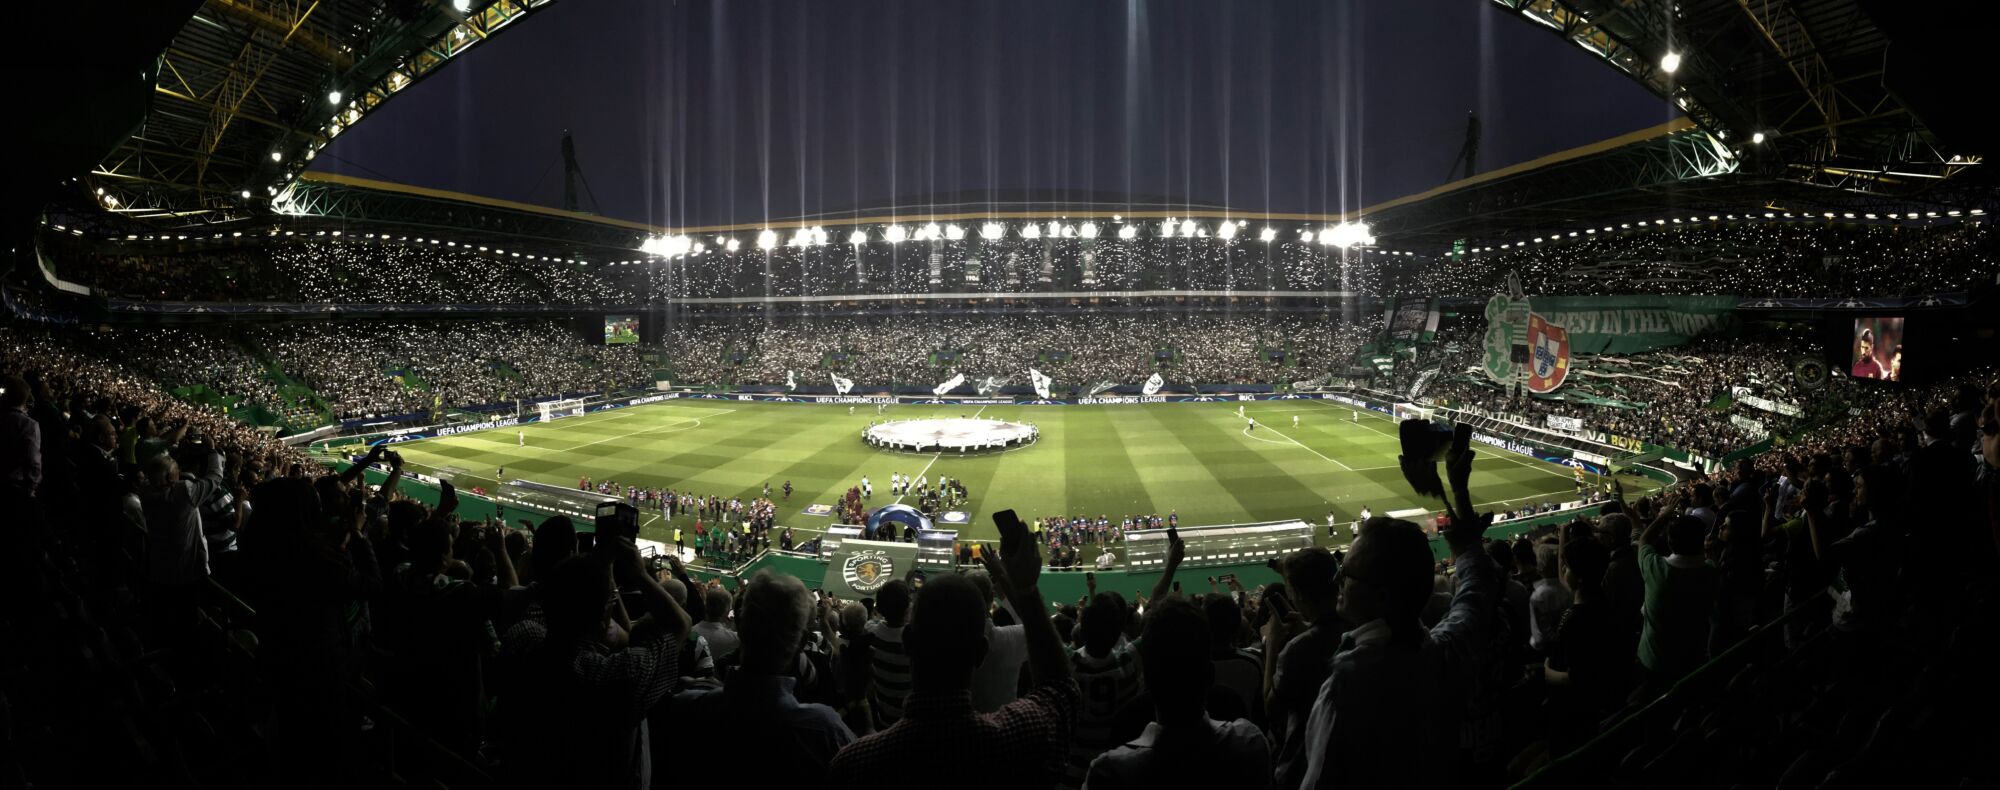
{"points": [[950, 434]]}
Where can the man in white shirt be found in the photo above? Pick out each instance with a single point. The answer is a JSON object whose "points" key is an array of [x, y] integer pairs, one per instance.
{"points": [[714, 626], [998, 678]]}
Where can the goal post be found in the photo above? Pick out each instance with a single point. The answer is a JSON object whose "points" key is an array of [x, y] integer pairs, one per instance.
{"points": [[554, 409], [1411, 411]]}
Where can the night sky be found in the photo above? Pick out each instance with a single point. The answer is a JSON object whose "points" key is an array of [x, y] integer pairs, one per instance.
{"points": [[713, 112]]}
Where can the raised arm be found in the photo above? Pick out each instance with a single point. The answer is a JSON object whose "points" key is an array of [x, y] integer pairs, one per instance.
{"points": [[1176, 551], [1016, 572]]}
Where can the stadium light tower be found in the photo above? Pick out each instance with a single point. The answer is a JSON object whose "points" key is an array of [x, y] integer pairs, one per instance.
{"points": [[992, 231], [895, 234]]}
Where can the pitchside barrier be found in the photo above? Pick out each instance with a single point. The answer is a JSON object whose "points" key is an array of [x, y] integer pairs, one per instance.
{"points": [[1223, 544]]}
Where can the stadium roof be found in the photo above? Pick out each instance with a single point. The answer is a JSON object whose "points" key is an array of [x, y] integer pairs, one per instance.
{"points": [[1813, 91], [248, 91], [248, 78]]}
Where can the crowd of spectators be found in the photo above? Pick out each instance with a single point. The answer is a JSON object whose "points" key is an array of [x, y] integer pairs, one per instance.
{"points": [[331, 269], [545, 663], [1681, 397], [1747, 257], [1075, 349], [403, 367], [1751, 258]]}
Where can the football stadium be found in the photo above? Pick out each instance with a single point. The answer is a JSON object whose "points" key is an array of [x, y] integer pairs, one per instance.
{"points": [[483, 394]]}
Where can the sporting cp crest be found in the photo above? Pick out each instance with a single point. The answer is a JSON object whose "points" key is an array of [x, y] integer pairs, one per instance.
{"points": [[867, 570], [1548, 354], [1504, 319]]}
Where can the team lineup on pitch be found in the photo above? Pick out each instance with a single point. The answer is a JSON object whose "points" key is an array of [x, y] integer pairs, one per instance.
{"points": [[1203, 462]]}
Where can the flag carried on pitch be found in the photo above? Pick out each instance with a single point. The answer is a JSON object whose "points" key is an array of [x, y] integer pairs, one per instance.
{"points": [[791, 381], [841, 385], [1548, 349], [1153, 385], [949, 385], [1042, 383]]}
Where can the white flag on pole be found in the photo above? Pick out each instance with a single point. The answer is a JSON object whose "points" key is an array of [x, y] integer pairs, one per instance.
{"points": [[1042, 383]]}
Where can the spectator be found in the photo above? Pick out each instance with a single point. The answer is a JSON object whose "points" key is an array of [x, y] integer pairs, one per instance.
{"points": [[758, 698], [1589, 659], [1020, 745], [715, 628], [584, 705], [20, 442], [998, 679], [1299, 646], [1183, 746], [889, 680], [1681, 588], [1549, 600], [1394, 685]]}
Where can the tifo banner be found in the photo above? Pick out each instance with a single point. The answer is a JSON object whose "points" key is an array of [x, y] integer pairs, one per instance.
{"points": [[1153, 385], [1755, 427], [1423, 382], [1548, 349], [949, 385], [1041, 383], [1561, 423], [1630, 324], [1744, 397], [1414, 321], [841, 385], [861, 567]]}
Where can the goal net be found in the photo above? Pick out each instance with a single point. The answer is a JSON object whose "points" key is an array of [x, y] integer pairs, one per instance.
{"points": [[551, 410], [1411, 411]]}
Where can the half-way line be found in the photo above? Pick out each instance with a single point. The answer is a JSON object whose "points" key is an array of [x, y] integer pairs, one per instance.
{"points": [[934, 457]]}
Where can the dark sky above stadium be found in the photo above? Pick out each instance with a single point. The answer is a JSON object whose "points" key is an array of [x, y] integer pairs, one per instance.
{"points": [[717, 111]]}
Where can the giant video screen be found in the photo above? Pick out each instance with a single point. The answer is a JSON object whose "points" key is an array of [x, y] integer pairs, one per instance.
{"points": [[621, 330], [1878, 349]]}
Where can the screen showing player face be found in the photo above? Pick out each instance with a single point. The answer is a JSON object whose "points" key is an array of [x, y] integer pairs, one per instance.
{"points": [[621, 329], [1877, 349]]}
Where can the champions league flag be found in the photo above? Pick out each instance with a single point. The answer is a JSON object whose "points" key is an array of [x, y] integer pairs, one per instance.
{"points": [[1042, 383], [791, 381], [1548, 347], [1153, 385], [986, 386], [949, 385], [841, 385]]}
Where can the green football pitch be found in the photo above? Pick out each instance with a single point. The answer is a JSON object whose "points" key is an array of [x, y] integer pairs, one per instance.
{"points": [[1196, 459]]}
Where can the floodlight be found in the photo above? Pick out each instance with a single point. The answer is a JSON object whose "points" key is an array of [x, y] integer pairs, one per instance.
{"points": [[767, 239], [992, 231], [1269, 234], [1088, 231], [1128, 232], [858, 237], [1226, 230], [954, 233], [1671, 63], [895, 234]]}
